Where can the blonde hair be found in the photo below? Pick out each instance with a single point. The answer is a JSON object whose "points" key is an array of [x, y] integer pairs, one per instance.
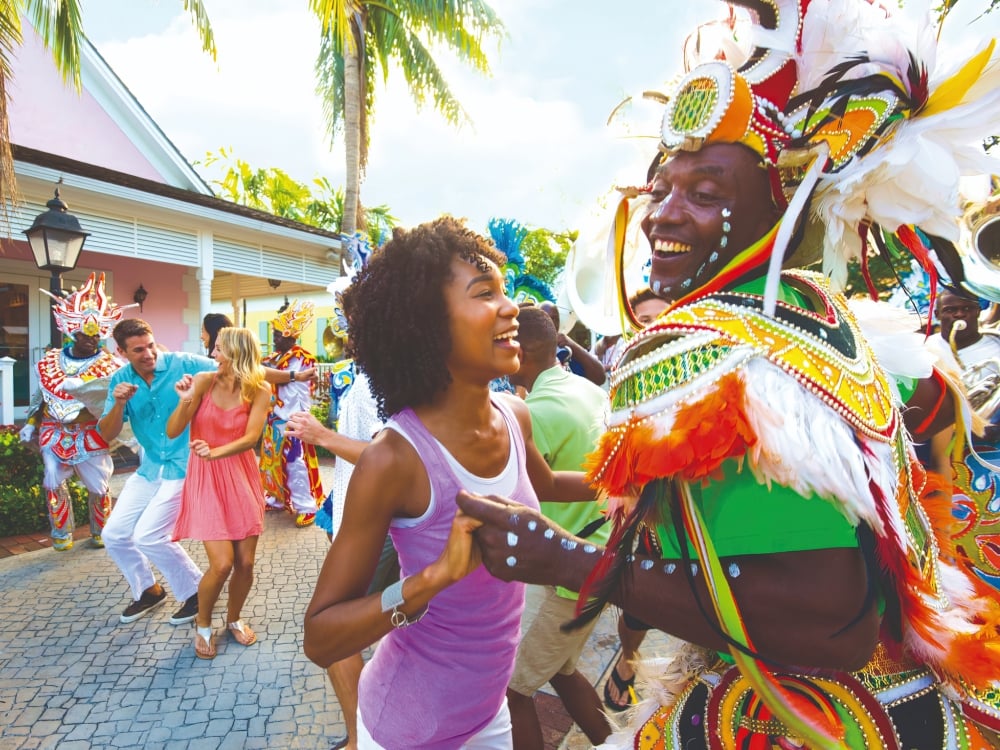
{"points": [[241, 347]]}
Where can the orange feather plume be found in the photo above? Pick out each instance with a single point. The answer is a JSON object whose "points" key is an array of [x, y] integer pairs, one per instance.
{"points": [[703, 435]]}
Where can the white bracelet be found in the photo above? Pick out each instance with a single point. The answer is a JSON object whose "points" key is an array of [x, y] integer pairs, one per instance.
{"points": [[392, 600]]}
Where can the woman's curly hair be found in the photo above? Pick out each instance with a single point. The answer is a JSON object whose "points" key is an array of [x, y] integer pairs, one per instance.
{"points": [[397, 313]]}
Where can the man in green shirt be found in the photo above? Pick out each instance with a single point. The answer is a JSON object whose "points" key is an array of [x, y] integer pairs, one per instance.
{"points": [[567, 417]]}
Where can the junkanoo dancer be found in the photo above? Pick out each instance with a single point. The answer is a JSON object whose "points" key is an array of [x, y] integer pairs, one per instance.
{"points": [[803, 555], [289, 468], [67, 430]]}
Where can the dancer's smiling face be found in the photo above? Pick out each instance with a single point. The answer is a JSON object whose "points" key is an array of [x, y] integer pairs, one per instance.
{"points": [[706, 207]]}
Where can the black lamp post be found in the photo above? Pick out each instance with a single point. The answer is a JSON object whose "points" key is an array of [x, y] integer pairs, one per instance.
{"points": [[56, 240]]}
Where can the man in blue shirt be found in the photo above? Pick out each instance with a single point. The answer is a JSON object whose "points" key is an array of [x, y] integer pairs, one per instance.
{"points": [[140, 528]]}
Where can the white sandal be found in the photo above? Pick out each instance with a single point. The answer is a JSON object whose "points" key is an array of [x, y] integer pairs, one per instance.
{"points": [[206, 635], [241, 633]]}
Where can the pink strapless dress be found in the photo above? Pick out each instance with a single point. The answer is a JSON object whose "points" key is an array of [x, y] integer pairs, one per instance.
{"points": [[222, 498]]}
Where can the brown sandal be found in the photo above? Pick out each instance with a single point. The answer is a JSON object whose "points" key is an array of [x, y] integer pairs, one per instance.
{"points": [[242, 633], [204, 645]]}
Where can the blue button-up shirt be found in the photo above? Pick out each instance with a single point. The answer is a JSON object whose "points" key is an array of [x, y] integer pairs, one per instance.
{"points": [[151, 406]]}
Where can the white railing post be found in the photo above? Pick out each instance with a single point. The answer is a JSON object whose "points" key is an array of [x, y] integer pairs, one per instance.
{"points": [[7, 390]]}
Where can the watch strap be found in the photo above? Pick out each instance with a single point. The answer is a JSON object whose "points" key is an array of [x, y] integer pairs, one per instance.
{"points": [[392, 600], [392, 596]]}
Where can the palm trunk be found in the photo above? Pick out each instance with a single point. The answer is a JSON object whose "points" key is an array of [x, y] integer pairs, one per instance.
{"points": [[353, 110]]}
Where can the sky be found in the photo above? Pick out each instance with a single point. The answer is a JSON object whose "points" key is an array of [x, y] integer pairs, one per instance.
{"points": [[537, 148]]}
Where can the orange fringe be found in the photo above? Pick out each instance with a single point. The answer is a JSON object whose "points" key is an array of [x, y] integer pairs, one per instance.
{"points": [[704, 434]]}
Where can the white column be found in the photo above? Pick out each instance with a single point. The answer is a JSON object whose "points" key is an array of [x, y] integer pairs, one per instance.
{"points": [[7, 390], [206, 272]]}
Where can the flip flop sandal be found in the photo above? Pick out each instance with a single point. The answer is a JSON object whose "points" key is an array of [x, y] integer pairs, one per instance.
{"points": [[242, 633], [625, 690], [204, 635]]}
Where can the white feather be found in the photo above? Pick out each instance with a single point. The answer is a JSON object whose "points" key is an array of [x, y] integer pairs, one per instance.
{"points": [[894, 337]]}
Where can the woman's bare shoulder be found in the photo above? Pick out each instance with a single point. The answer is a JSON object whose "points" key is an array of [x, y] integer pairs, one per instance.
{"points": [[389, 450], [519, 408], [391, 465]]}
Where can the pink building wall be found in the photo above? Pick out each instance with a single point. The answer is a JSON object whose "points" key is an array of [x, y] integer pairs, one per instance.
{"points": [[52, 117], [164, 307]]}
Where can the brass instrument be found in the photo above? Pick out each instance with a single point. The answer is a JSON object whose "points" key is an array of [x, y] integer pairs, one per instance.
{"points": [[982, 381], [979, 246]]}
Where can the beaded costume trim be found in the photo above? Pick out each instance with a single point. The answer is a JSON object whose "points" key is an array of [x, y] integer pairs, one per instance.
{"points": [[56, 366], [824, 352]]}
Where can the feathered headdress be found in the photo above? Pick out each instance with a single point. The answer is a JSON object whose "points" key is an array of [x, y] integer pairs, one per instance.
{"points": [[893, 129], [857, 122], [88, 310], [508, 235], [357, 251], [292, 321]]}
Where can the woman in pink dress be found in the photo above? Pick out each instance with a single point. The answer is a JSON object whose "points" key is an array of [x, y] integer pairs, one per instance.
{"points": [[223, 501]]}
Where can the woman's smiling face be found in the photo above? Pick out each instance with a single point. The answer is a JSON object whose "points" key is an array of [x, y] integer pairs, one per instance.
{"points": [[482, 321]]}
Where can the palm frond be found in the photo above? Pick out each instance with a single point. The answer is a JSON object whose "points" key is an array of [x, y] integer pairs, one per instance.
{"points": [[202, 25], [425, 79], [335, 18], [10, 35], [10, 40], [61, 28], [330, 84]]}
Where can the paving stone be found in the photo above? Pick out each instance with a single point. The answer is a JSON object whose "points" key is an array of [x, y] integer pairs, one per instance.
{"points": [[189, 731], [82, 731], [77, 714], [127, 739], [245, 711], [159, 734]]}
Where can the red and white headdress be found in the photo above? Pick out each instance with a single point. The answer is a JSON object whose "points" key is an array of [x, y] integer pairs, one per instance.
{"points": [[88, 309]]}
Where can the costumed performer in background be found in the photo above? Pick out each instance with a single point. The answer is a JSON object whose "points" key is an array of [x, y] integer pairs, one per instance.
{"points": [[289, 468], [67, 429]]}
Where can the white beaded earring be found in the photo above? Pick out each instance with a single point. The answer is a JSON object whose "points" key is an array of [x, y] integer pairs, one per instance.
{"points": [[726, 226]]}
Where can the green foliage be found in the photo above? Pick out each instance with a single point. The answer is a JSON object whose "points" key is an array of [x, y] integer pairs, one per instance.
{"points": [[321, 410], [885, 276], [318, 204], [945, 7], [22, 499], [545, 252]]}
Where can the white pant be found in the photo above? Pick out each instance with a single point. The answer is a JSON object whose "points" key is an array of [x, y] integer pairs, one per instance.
{"points": [[494, 736], [94, 472], [139, 532]]}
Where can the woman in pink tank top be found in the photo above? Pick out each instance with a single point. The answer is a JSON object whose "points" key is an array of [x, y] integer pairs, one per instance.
{"points": [[223, 502], [431, 326]]}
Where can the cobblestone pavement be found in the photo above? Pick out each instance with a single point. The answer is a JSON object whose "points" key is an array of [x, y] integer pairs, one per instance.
{"points": [[73, 677]]}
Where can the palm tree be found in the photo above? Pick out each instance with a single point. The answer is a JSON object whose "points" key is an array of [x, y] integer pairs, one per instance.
{"points": [[60, 25], [360, 36], [318, 204]]}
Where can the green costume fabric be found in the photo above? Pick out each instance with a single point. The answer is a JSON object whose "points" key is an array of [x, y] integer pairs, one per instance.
{"points": [[747, 518]]}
